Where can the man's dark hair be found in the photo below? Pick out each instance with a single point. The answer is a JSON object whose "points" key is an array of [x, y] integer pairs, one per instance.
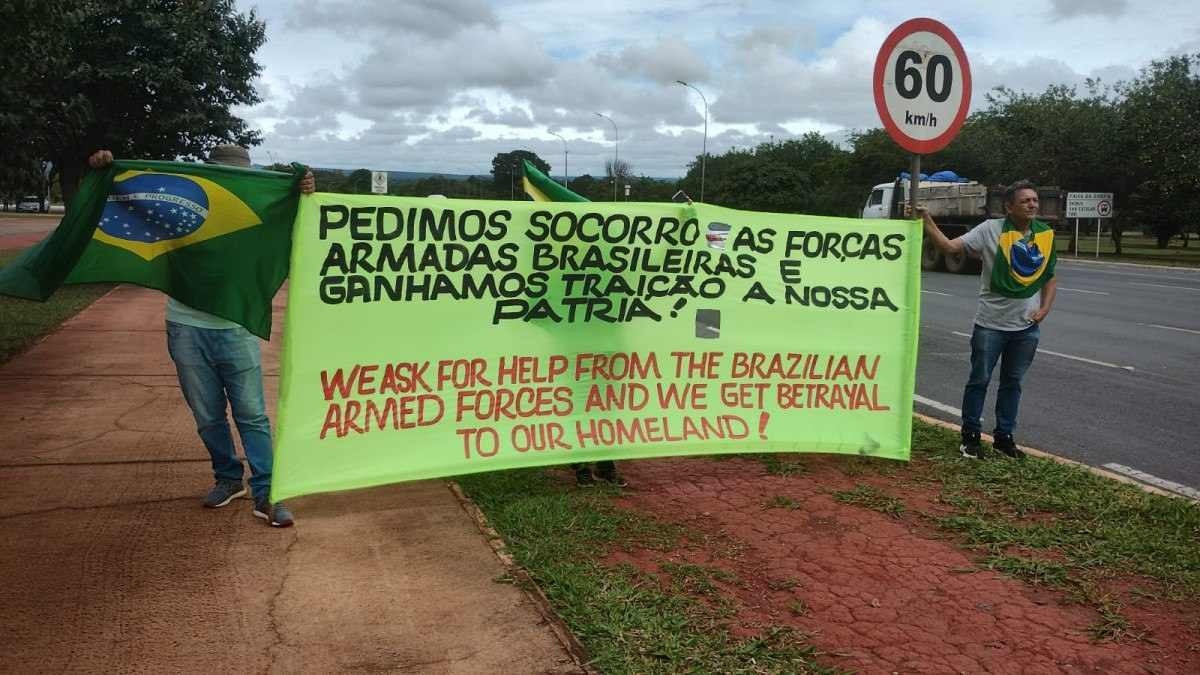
{"points": [[1010, 192]]}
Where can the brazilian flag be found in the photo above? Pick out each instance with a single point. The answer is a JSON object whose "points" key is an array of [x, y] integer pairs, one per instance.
{"points": [[542, 188], [1024, 262], [216, 238]]}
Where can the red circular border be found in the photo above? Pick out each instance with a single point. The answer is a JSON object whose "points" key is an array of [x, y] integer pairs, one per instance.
{"points": [[902, 31]]}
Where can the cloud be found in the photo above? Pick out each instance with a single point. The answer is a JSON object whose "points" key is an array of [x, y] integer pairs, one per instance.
{"points": [[1070, 9], [663, 62], [432, 18]]}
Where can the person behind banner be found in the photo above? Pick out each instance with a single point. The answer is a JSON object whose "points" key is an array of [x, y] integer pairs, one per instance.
{"points": [[1015, 295], [606, 470], [218, 363]]}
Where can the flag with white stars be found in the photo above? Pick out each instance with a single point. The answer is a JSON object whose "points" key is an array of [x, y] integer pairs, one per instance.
{"points": [[216, 238]]}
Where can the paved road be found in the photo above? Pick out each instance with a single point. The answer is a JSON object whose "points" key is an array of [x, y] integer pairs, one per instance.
{"points": [[1116, 377]]}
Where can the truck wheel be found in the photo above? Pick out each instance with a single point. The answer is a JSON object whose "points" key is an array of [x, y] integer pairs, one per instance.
{"points": [[931, 257], [961, 263]]}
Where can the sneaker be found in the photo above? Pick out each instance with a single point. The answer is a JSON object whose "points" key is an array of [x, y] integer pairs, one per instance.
{"points": [[224, 492], [607, 471], [277, 515], [583, 477], [970, 447], [1005, 444]]}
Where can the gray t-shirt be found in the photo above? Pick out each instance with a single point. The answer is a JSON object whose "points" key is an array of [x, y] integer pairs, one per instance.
{"points": [[996, 311]]}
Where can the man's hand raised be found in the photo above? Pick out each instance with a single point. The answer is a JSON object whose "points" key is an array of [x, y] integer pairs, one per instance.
{"points": [[100, 159]]}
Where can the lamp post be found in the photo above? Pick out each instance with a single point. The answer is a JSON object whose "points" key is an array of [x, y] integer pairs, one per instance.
{"points": [[704, 151], [616, 151], [566, 172]]}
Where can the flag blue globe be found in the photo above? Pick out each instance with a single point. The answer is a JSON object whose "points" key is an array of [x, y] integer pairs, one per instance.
{"points": [[154, 207]]}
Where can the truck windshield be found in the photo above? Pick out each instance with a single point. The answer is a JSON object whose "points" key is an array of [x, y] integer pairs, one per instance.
{"points": [[876, 198]]}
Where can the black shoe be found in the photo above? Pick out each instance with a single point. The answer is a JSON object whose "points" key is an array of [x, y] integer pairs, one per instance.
{"points": [[1005, 444], [971, 447], [583, 477], [607, 471], [277, 515]]}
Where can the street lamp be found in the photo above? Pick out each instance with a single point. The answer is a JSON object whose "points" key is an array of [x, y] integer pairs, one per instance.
{"points": [[566, 173], [704, 151], [616, 151]]}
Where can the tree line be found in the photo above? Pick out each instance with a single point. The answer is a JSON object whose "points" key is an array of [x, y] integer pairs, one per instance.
{"points": [[155, 80]]}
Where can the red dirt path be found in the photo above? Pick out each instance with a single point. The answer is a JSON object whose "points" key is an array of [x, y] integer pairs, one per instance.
{"points": [[883, 594]]}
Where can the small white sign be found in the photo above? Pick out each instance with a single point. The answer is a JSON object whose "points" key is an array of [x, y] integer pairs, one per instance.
{"points": [[379, 182], [1089, 204]]}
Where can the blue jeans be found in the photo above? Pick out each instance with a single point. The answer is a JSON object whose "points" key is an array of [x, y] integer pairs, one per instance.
{"points": [[217, 366], [1015, 351]]}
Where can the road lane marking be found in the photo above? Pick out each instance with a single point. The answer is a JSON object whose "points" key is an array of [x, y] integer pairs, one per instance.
{"points": [[1070, 356], [1080, 290], [937, 405], [1172, 286], [1182, 330], [1154, 480], [937, 293]]}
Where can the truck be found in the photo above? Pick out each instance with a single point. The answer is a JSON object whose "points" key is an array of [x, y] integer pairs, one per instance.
{"points": [[957, 205]]}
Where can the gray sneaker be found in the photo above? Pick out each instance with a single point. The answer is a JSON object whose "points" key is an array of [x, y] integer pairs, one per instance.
{"points": [[277, 515], [224, 492]]}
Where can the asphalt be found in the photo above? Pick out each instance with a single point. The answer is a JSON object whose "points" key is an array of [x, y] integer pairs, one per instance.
{"points": [[110, 564], [1114, 381]]}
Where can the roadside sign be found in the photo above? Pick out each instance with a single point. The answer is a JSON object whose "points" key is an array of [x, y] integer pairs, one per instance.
{"points": [[922, 85], [1089, 204], [379, 182]]}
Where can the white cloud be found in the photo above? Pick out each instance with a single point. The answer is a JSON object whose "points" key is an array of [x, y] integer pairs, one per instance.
{"points": [[443, 85]]}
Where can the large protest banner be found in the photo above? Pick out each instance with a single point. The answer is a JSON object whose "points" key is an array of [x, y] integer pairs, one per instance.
{"points": [[435, 337]]}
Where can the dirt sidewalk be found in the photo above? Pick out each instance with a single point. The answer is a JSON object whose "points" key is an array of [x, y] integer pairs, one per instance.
{"points": [[109, 563]]}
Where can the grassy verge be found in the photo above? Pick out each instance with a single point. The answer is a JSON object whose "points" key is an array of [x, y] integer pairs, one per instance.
{"points": [[22, 322], [628, 621], [1042, 522], [1134, 249], [1059, 526]]}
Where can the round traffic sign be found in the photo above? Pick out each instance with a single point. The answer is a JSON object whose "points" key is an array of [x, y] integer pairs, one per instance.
{"points": [[922, 85], [1104, 208]]}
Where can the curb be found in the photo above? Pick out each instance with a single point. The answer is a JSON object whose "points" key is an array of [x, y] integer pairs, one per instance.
{"points": [[1105, 473], [526, 583], [1129, 264]]}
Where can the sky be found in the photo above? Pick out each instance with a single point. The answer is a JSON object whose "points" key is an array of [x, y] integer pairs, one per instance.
{"points": [[444, 85]]}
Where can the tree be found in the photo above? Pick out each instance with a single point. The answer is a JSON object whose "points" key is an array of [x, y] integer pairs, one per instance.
{"points": [[144, 79], [507, 172], [1162, 144]]}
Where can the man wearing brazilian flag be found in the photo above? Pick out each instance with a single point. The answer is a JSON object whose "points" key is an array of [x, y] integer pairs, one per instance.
{"points": [[159, 216], [1016, 293]]}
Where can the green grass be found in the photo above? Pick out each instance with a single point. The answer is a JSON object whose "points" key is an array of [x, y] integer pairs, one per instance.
{"points": [[1134, 248], [22, 322], [1038, 521], [1057, 525], [628, 621], [871, 498]]}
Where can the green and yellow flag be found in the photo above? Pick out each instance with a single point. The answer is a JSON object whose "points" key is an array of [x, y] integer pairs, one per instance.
{"points": [[542, 188], [1024, 263], [216, 238]]}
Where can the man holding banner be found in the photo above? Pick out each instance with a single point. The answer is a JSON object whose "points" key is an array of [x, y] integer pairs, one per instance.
{"points": [[218, 361], [1017, 291]]}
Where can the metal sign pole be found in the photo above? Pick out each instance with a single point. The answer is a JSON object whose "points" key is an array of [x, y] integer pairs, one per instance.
{"points": [[914, 181], [1076, 246], [1098, 221]]}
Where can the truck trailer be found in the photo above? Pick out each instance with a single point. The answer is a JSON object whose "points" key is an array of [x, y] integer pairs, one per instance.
{"points": [[957, 205]]}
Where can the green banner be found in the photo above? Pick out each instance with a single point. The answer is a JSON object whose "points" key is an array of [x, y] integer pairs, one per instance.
{"points": [[434, 337]]}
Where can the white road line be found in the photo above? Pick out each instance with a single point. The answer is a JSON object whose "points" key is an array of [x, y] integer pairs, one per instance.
{"points": [[1155, 480], [1080, 290], [1182, 330], [937, 405], [937, 293], [1070, 356], [1172, 286]]}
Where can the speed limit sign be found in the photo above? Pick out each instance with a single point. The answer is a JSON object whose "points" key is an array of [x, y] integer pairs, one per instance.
{"points": [[922, 85]]}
